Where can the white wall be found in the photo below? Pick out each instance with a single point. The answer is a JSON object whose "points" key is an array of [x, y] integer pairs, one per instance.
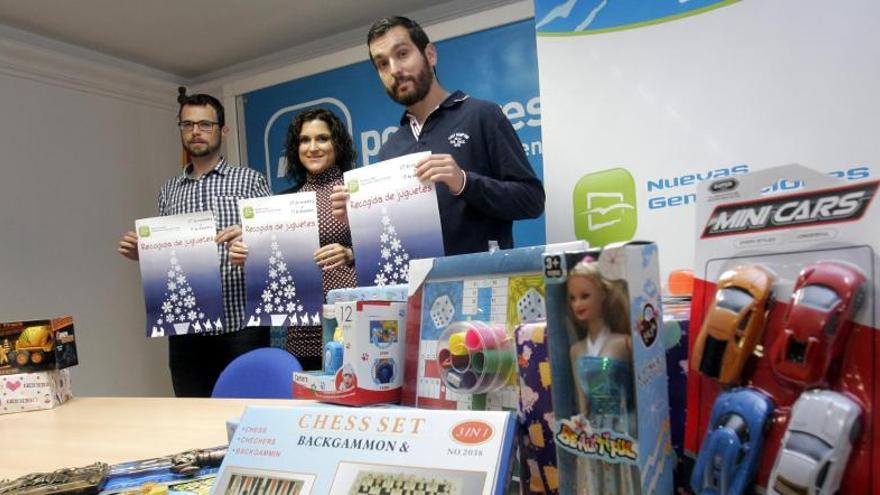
{"points": [[83, 150]]}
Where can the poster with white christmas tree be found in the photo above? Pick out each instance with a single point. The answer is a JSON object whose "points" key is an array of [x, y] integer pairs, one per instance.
{"points": [[180, 274], [282, 279], [393, 217]]}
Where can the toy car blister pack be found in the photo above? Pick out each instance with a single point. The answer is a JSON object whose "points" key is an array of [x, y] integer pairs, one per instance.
{"points": [[784, 315]]}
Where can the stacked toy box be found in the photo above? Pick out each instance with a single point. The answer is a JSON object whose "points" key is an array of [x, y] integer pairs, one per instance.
{"points": [[34, 355]]}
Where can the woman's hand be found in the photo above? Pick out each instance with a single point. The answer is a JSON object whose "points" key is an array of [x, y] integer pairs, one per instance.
{"points": [[338, 203], [238, 252], [332, 256]]}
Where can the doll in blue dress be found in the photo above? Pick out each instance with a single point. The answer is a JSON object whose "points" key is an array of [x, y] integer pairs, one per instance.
{"points": [[601, 360]]}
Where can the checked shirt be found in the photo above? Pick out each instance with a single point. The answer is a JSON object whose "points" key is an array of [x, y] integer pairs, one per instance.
{"points": [[217, 191]]}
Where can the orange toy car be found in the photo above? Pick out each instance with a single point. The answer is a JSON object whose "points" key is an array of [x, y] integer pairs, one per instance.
{"points": [[734, 323]]}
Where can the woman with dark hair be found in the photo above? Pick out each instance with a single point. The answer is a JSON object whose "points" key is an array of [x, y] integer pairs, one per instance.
{"points": [[319, 150]]}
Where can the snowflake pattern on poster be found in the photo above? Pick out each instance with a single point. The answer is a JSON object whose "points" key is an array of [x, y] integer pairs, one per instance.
{"points": [[279, 299], [394, 260], [180, 309]]}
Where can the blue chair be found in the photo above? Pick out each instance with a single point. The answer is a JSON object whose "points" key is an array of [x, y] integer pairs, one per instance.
{"points": [[265, 373]]}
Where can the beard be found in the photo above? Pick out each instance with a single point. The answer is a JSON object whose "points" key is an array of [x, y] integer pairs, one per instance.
{"points": [[208, 150], [421, 85]]}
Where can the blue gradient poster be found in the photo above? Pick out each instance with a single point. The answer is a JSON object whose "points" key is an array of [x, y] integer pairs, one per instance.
{"points": [[394, 218], [283, 282], [180, 273], [497, 64]]}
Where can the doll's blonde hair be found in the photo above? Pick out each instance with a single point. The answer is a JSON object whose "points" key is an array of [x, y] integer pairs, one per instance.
{"points": [[615, 307]]}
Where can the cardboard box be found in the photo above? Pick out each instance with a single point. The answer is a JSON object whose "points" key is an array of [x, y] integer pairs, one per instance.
{"points": [[34, 391], [676, 319], [331, 450], [37, 345], [371, 370], [501, 288], [608, 366], [396, 292], [537, 449]]}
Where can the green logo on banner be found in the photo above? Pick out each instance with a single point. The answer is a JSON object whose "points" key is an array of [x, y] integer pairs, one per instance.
{"points": [[353, 186], [604, 205], [248, 212], [144, 231]]}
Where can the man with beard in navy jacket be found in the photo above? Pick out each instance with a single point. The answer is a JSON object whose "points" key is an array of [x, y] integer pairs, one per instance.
{"points": [[482, 176]]}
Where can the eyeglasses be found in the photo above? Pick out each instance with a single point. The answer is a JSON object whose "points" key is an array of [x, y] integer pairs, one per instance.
{"points": [[204, 125]]}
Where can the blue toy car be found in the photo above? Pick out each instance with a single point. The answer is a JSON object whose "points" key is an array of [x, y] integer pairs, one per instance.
{"points": [[732, 447]]}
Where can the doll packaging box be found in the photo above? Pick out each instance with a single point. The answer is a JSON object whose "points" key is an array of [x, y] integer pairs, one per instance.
{"points": [[782, 386], [363, 362], [608, 365], [37, 345]]}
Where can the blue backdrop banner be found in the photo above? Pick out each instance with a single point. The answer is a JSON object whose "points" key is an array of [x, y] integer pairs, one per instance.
{"points": [[497, 64]]}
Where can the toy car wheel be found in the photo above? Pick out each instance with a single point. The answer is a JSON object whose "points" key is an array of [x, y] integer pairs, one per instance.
{"points": [[37, 357], [860, 299], [855, 431], [22, 357]]}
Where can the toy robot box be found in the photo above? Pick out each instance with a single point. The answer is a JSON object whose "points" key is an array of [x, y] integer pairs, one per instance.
{"points": [[363, 362], [608, 364], [37, 345], [784, 341]]}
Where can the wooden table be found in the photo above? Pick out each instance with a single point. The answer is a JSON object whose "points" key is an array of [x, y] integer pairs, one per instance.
{"points": [[113, 430]]}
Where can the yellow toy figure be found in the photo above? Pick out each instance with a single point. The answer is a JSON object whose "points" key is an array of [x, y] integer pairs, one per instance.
{"points": [[5, 349]]}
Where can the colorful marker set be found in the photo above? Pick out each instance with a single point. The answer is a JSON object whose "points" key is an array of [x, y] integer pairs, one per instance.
{"points": [[475, 357]]}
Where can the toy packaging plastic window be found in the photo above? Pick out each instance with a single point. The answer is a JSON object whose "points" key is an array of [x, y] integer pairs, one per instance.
{"points": [[608, 364], [784, 319], [362, 358], [461, 318]]}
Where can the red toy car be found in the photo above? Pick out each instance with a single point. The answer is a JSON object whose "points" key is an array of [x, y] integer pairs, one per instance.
{"points": [[826, 295]]}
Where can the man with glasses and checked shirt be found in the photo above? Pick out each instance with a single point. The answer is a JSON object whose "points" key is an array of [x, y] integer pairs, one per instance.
{"points": [[209, 182]]}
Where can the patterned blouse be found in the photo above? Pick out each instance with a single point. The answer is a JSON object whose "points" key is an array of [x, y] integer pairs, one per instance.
{"points": [[307, 342], [330, 229]]}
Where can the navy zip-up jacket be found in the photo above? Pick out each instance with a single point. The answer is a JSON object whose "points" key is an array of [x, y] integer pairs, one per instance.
{"points": [[500, 186]]}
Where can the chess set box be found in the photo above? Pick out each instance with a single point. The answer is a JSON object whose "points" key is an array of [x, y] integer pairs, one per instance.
{"points": [[342, 451]]}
